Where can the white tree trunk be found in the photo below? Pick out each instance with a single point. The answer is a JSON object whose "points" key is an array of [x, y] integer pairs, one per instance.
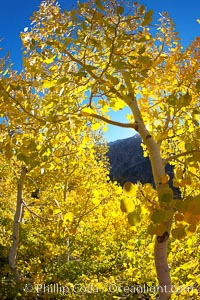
{"points": [[158, 169], [16, 225]]}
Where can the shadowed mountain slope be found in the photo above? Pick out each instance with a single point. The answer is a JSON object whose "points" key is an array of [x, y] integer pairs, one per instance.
{"points": [[128, 164]]}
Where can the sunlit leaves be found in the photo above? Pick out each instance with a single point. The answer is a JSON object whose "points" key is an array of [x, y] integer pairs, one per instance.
{"points": [[93, 57], [87, 111], [48, 84], [49, 60]]}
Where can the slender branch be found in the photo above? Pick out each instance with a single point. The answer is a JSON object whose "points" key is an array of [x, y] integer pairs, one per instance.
{"points": [[93, 75], [21, 106], [165, 127], [111, 50], [173, 157], [115, 123], [32, 212], [83, 66]]}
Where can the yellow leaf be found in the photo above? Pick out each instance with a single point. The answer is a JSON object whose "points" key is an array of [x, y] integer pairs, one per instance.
{"points": [[96, 126], [49, 60], [186, 181], [165, 178], [56, 211], [182, 146], [127, 205], [57, 153], [130, 189], [68, 217], [179, 173], [48, 84], [95, 201], [87, 111], [105, 128]]}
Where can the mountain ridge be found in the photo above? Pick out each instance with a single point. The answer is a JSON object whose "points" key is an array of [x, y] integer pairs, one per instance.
{"points": [[129, 164]]}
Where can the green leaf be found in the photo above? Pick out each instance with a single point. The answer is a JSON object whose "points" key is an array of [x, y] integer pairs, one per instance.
{"points": [[165, 194], [32, 146], [142, 50], [184, 100], [142, 9], [114, 80], [62, 80], [120, 10], [15, 87], [42, 122], [147, 18], [198, 85], [99, 5], [23, 157], [187, 98], [178, 233], [134, 217], [81, 74], [195, 122], [160, 216], [8, 151], [90, 68], [34, 163], [172, 100], [146, 60]]}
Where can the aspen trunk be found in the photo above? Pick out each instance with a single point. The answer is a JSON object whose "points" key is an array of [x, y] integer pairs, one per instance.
{"points": [[158, 169], [16, 225]]}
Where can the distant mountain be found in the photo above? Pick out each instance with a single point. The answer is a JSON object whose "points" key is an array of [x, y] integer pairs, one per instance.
{"points": [[129, 164]]}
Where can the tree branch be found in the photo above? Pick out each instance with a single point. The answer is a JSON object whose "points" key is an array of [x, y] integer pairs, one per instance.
{"points": [[16, 225], [115, 123], [92, 74], [32, 212], [20, 105], [174, 157]]}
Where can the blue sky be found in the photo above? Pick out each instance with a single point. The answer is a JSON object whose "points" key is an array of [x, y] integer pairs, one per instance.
{"points": [[15, 14]]}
